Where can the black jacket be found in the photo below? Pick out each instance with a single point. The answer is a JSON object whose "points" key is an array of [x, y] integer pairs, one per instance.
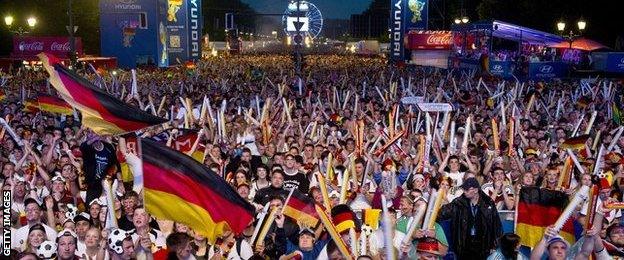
{"points": [[458, 212]]}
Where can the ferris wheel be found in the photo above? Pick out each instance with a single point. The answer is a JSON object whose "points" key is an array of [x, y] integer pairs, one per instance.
{"points": [[304, 15]]}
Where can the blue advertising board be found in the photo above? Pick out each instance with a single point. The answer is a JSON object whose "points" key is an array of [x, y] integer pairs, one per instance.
{"points": [[615, 62], [128, 31], [405, 15], [155, 32], [503, 69], [548, 70]]}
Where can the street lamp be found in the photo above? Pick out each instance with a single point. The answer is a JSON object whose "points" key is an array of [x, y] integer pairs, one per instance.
{"points": [[561, 26], [465, 19], [8, 20], [457, 21], [581, 24], [32, 21]]}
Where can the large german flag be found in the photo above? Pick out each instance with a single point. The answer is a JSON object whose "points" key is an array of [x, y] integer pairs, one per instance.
{"points": [[101, 112], [54, 105], [301, 208], [538, 209], [178, 188]]}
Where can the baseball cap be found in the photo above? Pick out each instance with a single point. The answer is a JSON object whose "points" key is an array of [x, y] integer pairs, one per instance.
{"points": [[470, 183], [66, 232], [31, 200], [553, 240], [58, 178], [306, 230], [83, 217]]}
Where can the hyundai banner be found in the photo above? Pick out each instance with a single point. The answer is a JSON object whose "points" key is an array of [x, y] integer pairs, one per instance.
{"points": [[29, 46], [405, 15], [397, 30], [547, 70], [615, 62], [503, 69]]}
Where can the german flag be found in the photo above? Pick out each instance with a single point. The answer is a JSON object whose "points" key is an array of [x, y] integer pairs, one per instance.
{"points": [[54, 105], [178, 188], [343, 217], [577, 142], [31, 106], [301, 208], [370, 217], [101, 112], [538, 209]]}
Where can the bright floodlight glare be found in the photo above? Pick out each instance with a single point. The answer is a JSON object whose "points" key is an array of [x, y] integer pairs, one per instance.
{"points": [[464, 19], [457, 21], [31, 21], [561, 26], [581, 24], [8, 20]]}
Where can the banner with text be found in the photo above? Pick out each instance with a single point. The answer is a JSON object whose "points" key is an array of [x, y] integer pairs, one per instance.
{"points": [[29, 46]]}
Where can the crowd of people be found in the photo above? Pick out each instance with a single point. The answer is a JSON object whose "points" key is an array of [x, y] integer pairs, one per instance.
{"points": [[56, 169]]}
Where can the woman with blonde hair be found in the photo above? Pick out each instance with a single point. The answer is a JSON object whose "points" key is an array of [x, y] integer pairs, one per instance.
{"points": [[36, 236]]}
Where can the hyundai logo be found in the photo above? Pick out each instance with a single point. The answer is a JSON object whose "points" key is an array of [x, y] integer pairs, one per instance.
{"points": [[497, 68], [546, 69]]}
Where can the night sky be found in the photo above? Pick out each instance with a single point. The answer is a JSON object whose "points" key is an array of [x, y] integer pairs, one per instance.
{"points": [[331, 9]]}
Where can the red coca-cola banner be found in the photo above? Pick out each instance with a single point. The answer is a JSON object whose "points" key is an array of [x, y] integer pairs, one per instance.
{"points": [[429, 40], [27, 47]]}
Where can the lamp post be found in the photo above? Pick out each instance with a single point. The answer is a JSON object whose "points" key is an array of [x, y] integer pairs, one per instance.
{"points": [[571, 36], [31, 22], [71, 30]]}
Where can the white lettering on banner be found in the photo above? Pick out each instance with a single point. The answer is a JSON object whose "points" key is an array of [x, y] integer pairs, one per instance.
{"points": [[439, 39], [435, 107], [412, 100], [396, 31], [127, 6], [31, 46], [59, 46], [194, 29]]}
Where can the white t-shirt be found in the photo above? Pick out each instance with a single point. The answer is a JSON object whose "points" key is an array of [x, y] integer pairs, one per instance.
{"points": [[457, 177]]}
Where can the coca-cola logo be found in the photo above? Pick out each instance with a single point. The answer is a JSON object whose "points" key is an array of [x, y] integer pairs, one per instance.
{"points": [[60, 46], [439, 39], [30, 46]]}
